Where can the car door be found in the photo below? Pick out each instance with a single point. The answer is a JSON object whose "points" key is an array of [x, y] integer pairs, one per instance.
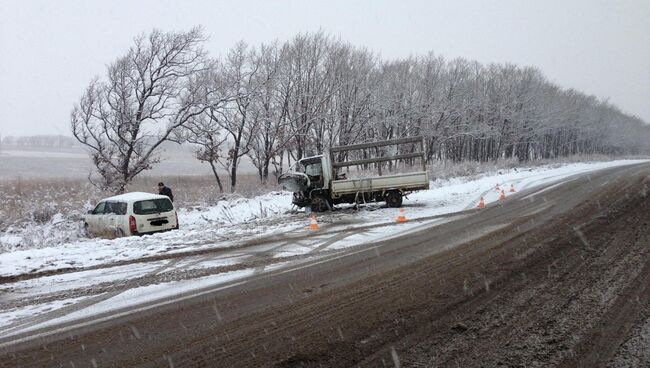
{"points": [[111, 218], [95, 218], [117, 218]]}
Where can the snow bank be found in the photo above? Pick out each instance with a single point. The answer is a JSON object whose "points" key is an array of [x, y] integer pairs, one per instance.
{"points": [[57, 230], [239, 210]]}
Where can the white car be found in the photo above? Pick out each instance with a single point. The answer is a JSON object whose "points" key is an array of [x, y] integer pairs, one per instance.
{"points": [[134, 213]]}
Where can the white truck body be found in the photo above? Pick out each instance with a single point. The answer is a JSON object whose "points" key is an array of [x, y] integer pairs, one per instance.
{"points": [[317, 182], [405, 182]]}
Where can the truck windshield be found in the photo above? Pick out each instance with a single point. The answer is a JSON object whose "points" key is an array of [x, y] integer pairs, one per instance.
{"points": [[314, 169]]}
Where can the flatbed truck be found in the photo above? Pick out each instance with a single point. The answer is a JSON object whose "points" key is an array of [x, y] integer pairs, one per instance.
{"points": [[318, 182]]}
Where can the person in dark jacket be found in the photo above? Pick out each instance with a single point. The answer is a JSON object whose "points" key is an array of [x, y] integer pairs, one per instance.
{"points": [[163, 190]]}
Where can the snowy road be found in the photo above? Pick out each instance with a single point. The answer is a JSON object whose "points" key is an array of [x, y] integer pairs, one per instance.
{"points": [[54, 289]]}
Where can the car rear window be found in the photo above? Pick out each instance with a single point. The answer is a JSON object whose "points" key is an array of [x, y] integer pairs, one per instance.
{"points": [[152, 206]]}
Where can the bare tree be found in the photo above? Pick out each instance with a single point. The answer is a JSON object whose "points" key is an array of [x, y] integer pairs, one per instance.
{"points": [[269, 112], [147, 95], [206, 134], [235, 118], [203, 130], [311, 83]]}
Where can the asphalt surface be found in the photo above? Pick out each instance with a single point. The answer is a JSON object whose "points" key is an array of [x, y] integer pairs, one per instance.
{"points": [[555, 276]]}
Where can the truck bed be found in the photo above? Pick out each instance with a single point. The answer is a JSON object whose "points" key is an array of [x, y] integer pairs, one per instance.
{"points": [[404, 182]]}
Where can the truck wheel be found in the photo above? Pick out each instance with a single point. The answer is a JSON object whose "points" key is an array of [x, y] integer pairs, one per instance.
{"points": [[319, 204], [394, 199]]}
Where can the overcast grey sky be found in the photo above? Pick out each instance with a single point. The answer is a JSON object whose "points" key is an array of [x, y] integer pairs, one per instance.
{"points": [[49, 50]]}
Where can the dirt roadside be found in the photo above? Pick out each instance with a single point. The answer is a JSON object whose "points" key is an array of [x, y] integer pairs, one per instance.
{"points": [[563, 287]]}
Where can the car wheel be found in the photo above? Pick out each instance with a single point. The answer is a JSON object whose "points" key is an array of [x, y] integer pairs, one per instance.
{"points": [[119, 233]]}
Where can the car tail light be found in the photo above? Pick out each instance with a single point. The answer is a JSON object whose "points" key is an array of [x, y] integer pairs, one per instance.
{"points": [[132, 225]]}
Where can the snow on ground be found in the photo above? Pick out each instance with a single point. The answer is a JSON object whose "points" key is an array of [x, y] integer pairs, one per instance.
{"points": [[231, 223], [18, 320], [57, 230], [239, 210], [10, 316], [66, 281], [151, 293]]}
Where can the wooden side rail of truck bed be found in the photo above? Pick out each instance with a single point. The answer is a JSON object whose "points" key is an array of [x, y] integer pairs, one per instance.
{"points": [[402, 182]]}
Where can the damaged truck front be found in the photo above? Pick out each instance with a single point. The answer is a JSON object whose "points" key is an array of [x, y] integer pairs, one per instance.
{"points": [[318, 182]]}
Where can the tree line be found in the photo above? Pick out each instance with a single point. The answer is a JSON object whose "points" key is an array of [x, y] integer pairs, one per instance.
{"points": [[276, 103]]}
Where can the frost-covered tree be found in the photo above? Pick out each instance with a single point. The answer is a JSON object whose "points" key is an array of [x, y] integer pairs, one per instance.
{"points": [[269, 112], [333, 93], [204, 131], [240, 71], [147, 95]]}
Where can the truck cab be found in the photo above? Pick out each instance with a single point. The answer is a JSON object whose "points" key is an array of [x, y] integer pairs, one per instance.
{"points": [[313, 168], [309, 180]]}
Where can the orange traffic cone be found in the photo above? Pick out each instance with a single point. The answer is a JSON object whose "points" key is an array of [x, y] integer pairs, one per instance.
{"points": [[313, 225], [481, 203], [512, 188], [401, 217], [503, 195]]}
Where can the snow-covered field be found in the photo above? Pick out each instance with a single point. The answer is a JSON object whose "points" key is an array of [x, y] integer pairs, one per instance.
{"points": [[225, 243]]}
